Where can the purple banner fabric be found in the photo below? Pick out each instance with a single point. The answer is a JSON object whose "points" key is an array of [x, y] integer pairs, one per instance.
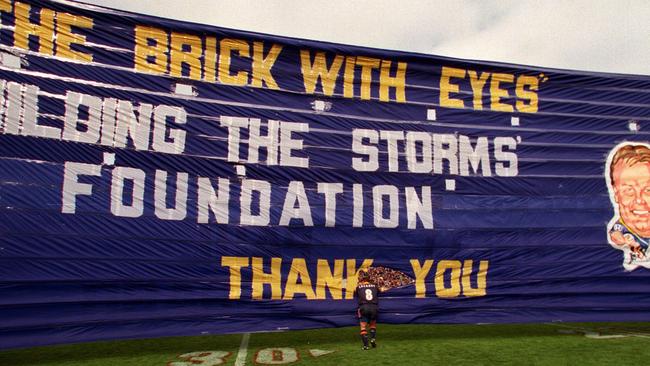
{"points": [[163, 178]]}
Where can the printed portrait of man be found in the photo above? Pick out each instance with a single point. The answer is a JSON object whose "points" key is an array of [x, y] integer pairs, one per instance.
{"points": [[628, 181]]}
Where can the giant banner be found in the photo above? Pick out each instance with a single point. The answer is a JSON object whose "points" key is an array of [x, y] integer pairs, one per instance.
{"points": [[164, 178]]}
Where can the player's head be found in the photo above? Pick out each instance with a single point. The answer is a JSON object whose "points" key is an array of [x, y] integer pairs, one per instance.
{"points": [[364, 276], [630, 177]]}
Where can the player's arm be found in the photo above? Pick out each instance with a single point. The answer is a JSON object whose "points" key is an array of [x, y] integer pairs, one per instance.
{"points": [[617, 237], [620, 236]]}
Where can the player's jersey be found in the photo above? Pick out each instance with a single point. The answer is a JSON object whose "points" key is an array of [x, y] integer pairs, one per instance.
{"points": [[367, 293]]}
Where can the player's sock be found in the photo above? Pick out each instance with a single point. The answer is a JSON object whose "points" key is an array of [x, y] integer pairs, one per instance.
{"points": [[373, 336]]}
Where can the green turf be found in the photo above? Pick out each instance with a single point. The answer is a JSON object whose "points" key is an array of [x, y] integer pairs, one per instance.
{"points": [[532, 344]]}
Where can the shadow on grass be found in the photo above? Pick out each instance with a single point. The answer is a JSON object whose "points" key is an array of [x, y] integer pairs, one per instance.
{"points": [[162, 350], [83, 353], [391, 332]]}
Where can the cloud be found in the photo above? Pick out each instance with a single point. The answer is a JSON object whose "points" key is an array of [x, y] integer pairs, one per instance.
{"points": [[594, 35], [585, 35]]}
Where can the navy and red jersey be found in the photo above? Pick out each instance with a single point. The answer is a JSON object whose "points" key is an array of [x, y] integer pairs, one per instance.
{"points": [[367, 293]]}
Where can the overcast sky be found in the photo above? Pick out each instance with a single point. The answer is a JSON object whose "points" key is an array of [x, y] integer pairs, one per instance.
{"points": [[607, 35]]}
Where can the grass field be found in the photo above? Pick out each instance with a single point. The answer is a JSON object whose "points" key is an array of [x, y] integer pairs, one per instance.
{"points": [[530, 344]]}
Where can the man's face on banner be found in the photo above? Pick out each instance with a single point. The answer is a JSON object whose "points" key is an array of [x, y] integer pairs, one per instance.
{"points": [[632, 193]]}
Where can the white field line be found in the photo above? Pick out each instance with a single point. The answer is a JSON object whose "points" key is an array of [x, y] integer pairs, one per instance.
{"points": [[243, 350]]}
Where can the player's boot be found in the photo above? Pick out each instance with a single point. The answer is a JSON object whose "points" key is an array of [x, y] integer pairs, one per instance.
{"points": [[365, 348], [373, 343], [364, 339]]}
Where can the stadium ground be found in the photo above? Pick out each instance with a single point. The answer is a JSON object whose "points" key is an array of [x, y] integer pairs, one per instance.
{"points": [[530, 344]]}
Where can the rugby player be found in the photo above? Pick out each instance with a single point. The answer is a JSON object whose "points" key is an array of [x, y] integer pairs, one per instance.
{"points": [[366, 293]]}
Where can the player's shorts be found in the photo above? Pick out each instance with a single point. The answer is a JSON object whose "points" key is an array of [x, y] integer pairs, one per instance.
{"points": [[367, 313]]}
